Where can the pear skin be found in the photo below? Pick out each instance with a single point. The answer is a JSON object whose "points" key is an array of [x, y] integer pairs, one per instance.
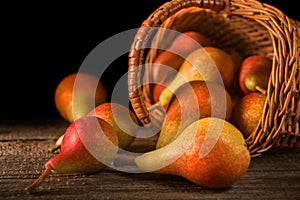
{"points": [[210, 152], [88, 146], [247, 112], [189, 41], [77, 94], [174, 56], [75, 156], [122, 119], [166, 64], [254, 74], [207, 63], [157, 90], [192, 101]]}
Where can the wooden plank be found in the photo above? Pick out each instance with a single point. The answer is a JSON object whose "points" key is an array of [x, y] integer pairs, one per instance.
{"points": [[275, 175], [35, 129]]}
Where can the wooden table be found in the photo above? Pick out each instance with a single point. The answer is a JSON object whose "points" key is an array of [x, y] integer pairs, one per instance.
{"points": [[24, 147]]}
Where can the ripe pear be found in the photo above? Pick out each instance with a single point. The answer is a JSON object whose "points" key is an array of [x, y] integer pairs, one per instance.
{"points": [[210, 152], [165, 66], [192, 101], [254, 74], [77, 94], [121, 118], [247, 112], [157, 90], [89, 144], [167, 63], [207, 63], [189, 41]]}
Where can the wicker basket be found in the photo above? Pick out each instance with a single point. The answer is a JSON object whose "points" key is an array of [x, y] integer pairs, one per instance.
{"points": [[248, 26]]}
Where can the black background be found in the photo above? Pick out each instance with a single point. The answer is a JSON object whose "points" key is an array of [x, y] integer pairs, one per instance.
{"points": [[43, 42]]}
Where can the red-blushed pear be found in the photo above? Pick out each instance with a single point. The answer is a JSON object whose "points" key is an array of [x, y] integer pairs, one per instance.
{"points": [[121, 118], [89, 145], [183, 45], [254, 73], [248, 111], [157, 89], [77, 94], [207, 63], [192, 101], [210, 152], [167, 63]]}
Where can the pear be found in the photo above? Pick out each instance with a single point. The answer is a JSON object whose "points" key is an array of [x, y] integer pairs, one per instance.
{"points": [[254, 74], [210, 152], [207, 63], [189, 41], [247, 112], [157, 90], [89, 145], [192, 101], [174, 56], [121, 118], [168, 62], [77, 94]]}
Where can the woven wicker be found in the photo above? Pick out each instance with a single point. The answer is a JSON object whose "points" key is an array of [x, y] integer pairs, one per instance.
{"points": [[248, 26]]}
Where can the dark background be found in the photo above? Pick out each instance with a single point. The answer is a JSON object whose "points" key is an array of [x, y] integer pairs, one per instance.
{"points": [[43, 42]]}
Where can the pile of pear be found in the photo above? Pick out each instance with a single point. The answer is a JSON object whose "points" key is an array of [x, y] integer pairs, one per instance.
{"points": [[223, 83], [213, 101]]}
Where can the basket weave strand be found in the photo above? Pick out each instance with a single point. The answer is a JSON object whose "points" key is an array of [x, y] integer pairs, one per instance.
{"points": [[247, 26]]}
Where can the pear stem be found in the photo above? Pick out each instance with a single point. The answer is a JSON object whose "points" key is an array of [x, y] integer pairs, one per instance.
{"points": [[54, 148], [260, 89], [154, 106], [38, 181], [57, 144]]}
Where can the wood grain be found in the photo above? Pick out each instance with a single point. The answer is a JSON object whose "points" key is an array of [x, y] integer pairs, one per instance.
{"points": [[24, 147]]}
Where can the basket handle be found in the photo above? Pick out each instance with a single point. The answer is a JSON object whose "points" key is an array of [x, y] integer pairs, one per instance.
{"points": [[136, 53]]}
